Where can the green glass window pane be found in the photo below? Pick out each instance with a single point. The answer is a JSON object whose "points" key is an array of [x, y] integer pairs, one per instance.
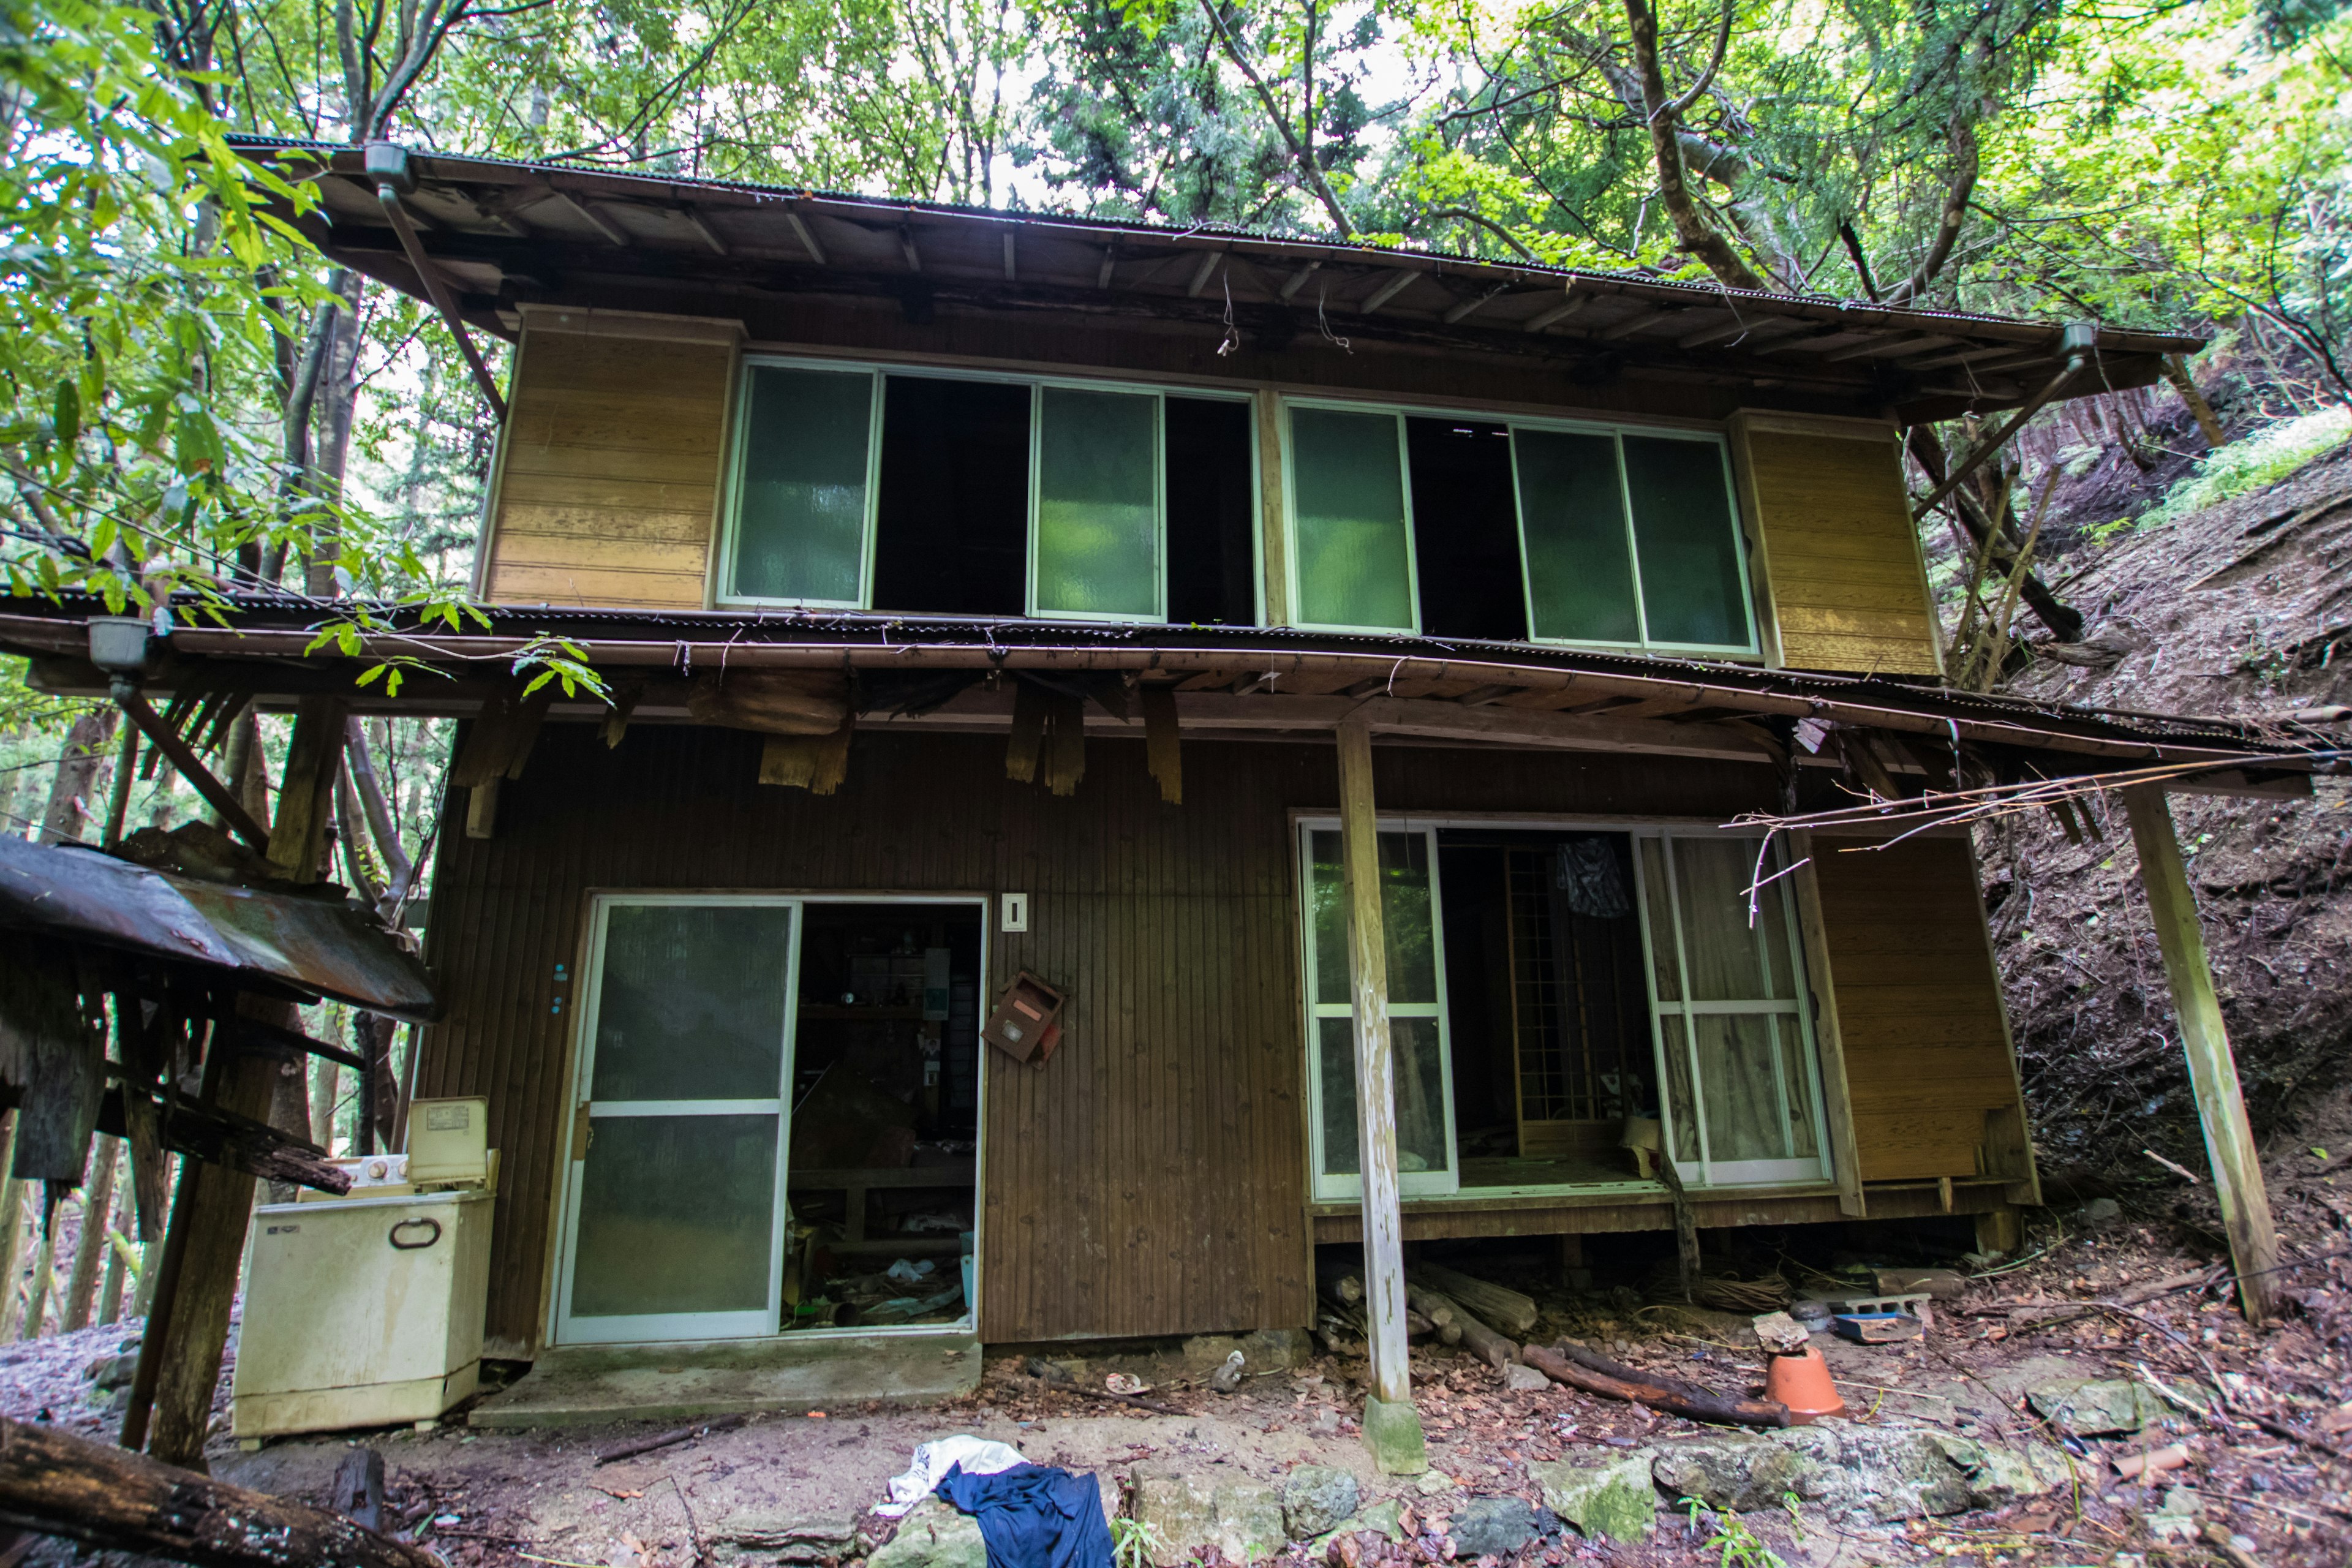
{"points": [[690, 1002], [1680, 1107], [1665, 965], [1097, 502], [1348, 483], [800, 527], [1572, 527], [1408, 918], [677, 1213], [1689, 545], [1420, 1074], [1328, 908]]}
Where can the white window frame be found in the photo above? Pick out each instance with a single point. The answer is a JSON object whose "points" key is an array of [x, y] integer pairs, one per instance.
{"points": [[1290, 552], [565, 1329], [731, 528], [1706, 1172], [1617, 434], [1349, 1187], [880, 372], [1512, 424]]}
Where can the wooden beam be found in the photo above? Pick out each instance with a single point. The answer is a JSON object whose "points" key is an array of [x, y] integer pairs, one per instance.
{"points": [[1274, 549], [306, 796], [1391, 1425], [192, 768], [2229, 1140]]}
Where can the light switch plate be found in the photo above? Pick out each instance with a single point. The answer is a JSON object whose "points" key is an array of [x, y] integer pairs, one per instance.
{"points": [[1013, 912]]}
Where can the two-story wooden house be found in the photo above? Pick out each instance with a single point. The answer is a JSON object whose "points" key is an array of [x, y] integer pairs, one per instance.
{"points": [[985, 594]]}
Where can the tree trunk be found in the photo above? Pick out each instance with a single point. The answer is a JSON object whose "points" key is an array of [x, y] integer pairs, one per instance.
{"points": [[88, 746], [86, 1491], [118, 1236], [12, 1226], [2065, 621], [1691, 227], [45, 1276], [97, 1216]]}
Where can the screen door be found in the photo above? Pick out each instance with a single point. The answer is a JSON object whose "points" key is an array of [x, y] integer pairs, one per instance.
{"points": [[675, 1184]]}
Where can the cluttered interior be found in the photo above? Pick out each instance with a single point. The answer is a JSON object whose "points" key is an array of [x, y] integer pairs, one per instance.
{"points": [[881, 1181]]}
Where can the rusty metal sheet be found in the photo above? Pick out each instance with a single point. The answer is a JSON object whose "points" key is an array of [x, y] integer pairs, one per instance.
{"points": [[315, 945]]}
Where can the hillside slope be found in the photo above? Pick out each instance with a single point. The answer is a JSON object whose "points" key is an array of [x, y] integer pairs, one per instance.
{"points": [[2244, 608]]}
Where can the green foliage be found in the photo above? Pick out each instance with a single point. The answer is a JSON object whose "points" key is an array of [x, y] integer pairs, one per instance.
{"points": [[1733, 1542], [1131, 1543], [2252, 462]]}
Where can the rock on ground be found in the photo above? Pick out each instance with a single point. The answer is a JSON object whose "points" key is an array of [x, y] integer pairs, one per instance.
{"points": [[1242, 1520], [1316, 1499], [934, 1535], [2096, 1407], [1852, 1473], [1606, 1494]]}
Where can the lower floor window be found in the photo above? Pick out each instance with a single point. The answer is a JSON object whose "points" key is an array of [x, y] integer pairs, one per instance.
{"points": [[1558, 999]]}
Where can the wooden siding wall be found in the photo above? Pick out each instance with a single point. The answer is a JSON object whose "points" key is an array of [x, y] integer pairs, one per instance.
{"points": [[1846, 585], [610, 473], [1927, 1058], [1151, 1178]]}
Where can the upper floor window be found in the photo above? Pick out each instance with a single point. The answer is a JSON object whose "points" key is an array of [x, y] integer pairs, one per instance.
{"points": [[857, 488], [1551, 531]]}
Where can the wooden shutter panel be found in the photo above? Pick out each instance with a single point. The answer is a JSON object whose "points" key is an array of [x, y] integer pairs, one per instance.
{"points": [[1930, 1070], [610, 467], [1845, 585]]}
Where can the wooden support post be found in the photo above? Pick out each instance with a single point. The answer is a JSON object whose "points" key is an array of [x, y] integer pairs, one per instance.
{"points": [[187, 1329], [1391, 1424], [2229, 1141]]}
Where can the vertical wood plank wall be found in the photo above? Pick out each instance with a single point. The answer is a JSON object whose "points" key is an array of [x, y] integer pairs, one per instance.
{"points": [[1846, 584], [610, 472], [1151, 1178], [1927, 1058]]}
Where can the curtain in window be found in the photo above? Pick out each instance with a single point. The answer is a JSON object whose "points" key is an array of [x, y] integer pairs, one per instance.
{"points": [[1739, 1070]]}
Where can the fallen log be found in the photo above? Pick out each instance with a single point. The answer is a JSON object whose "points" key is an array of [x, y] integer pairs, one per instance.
{"points": [[1672, 1396], [1484, 1342], [55, 1484], [670, 1438], [1508, 1310]]}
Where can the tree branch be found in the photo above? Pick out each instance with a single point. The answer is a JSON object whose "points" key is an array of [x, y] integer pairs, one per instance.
{"points": [[1690, 227], [1299, 156]]}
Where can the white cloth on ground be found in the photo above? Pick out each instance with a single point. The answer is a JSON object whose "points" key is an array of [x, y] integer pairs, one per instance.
{"points": [[978, 1455]]}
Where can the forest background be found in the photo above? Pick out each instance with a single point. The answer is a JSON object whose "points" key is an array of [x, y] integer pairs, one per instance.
{"points": [[192, 400]]}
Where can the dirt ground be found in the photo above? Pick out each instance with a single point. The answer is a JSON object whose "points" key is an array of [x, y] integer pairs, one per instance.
{"points": [[2275, 1469]]}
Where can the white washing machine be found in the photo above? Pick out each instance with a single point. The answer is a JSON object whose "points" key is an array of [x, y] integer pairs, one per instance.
{"points": [[367, 1310]]}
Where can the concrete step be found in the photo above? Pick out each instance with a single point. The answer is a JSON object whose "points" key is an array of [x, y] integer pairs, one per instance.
{"points": [[589, 1385]]}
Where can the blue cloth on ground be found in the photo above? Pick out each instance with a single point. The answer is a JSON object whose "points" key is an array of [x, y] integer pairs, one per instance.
{"points": [[1034, 1517]]}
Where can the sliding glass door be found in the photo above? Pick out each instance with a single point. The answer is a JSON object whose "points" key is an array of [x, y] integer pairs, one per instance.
{"points": [[1736, 1053], [1422, 1065], [674, 1192]]}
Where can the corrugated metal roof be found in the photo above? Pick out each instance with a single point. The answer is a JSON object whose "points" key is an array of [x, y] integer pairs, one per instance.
{"points": [[309, 947], [508, 234]]}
